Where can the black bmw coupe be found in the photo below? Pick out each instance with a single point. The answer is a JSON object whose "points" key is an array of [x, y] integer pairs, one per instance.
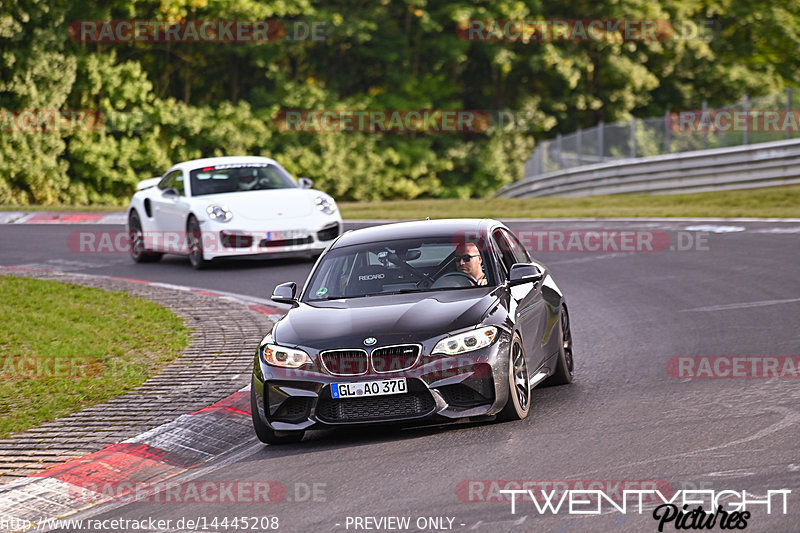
{"points": [[413, 322]]}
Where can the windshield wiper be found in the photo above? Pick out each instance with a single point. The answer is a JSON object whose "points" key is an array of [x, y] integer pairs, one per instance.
{"points": [[398, 291]]}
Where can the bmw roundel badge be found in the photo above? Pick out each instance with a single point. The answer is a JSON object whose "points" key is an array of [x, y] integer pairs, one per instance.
{"points": [[369, 341]]}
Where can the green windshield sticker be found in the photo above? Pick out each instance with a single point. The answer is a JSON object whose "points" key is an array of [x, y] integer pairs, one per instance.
{"points": [[322, 291]]}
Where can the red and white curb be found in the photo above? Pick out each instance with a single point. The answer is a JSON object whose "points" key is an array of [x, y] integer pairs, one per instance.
{"points": [[150, 458], [41, 217], [145, 460]]}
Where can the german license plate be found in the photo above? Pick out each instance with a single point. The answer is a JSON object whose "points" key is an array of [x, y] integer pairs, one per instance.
{"points": [[369, 388], [284, 235]]}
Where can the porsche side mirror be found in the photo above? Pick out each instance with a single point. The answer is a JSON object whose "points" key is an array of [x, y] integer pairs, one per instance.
{"points": [[306, 183], [169, 193], [285, 293], [524, 273]]}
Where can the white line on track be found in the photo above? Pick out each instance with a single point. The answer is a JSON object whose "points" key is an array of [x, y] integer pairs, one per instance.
{"points": [[790, 420], [743, 305]]}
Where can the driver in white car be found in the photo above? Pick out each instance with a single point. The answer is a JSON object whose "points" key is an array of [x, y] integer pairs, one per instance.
{"points": [[469, 261], [248, 181]]}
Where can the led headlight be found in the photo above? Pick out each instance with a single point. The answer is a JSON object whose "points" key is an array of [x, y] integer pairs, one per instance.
{"points": [[325, 204], [466, 342], [219, 213], [275, 355]]}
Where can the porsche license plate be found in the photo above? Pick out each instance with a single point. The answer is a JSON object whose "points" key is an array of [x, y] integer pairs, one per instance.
{"points": [[369, 388], [284, 235]]}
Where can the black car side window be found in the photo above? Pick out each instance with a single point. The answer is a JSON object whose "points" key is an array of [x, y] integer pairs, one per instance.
{"points": [[517, 250], [503, 248]]}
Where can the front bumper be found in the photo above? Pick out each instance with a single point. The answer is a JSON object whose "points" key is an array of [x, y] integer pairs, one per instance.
{"points": [[225, 241], [440, 389]]}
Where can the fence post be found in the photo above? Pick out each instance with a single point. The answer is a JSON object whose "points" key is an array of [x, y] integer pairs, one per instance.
{"points": [[703, 108], [558, 151], [633, 137], [538, 163], [667, 133], [600, 141], [746, 106], [579, 141], [788, 110]]}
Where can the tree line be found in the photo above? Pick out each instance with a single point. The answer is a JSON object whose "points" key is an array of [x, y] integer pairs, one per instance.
{"points": [[96, 97]]}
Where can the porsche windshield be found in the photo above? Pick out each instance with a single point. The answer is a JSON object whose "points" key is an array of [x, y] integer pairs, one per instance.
{"points": [[395, 267], [239, 178]]}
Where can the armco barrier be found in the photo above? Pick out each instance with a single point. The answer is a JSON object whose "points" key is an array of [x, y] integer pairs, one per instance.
{"points": [[739, 167]]}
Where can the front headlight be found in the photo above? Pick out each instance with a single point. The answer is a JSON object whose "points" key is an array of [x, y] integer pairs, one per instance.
{"points": [[219, 213], [466, 342], [275, 355], [325, 204]]}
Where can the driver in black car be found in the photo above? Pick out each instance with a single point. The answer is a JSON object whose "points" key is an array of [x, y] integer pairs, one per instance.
{"points": [[469, 261]]}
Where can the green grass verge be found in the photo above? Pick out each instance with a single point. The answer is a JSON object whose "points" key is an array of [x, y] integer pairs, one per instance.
{"points": [[65, 347], [778, 202]]}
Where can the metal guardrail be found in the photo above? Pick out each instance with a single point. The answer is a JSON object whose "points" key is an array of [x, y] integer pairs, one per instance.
{"points": [[738, 167]]}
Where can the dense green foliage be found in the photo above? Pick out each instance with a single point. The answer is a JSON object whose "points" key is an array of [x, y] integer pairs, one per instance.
{"points": [[162, 102]]}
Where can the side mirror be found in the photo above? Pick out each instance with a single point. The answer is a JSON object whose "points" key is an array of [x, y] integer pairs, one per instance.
{"points": [[285, 293], [306, 183], [524, 273], [169, 193]]}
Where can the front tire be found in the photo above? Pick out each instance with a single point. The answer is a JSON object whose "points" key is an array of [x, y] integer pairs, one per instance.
{"points": [[266, 434], [194, 241], [518, 405], [139, 253], [565, 365]]}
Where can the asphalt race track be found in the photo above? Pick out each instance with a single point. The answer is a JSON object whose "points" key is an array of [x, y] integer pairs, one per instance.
{"points": [[733, 292]]}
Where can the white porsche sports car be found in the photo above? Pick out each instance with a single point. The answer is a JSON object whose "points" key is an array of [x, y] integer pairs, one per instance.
{"points": [[229, 206]]}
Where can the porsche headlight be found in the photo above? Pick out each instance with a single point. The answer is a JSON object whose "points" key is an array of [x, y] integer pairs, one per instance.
{"points": [[325, 204], [275, 355], [466, 342], [219, 213]]}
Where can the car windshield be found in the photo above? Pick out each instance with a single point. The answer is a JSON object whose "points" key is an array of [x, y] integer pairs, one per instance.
{"points": [[409, 265], [233, 177]]}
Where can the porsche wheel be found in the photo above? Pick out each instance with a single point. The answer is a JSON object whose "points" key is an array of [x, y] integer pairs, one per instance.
{"points": [[519, 393], [139, 253], [194, 241]]}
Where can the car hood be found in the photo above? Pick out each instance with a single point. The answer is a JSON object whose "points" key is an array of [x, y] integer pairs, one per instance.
{"points": [[264, 205], [391, 319]]}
